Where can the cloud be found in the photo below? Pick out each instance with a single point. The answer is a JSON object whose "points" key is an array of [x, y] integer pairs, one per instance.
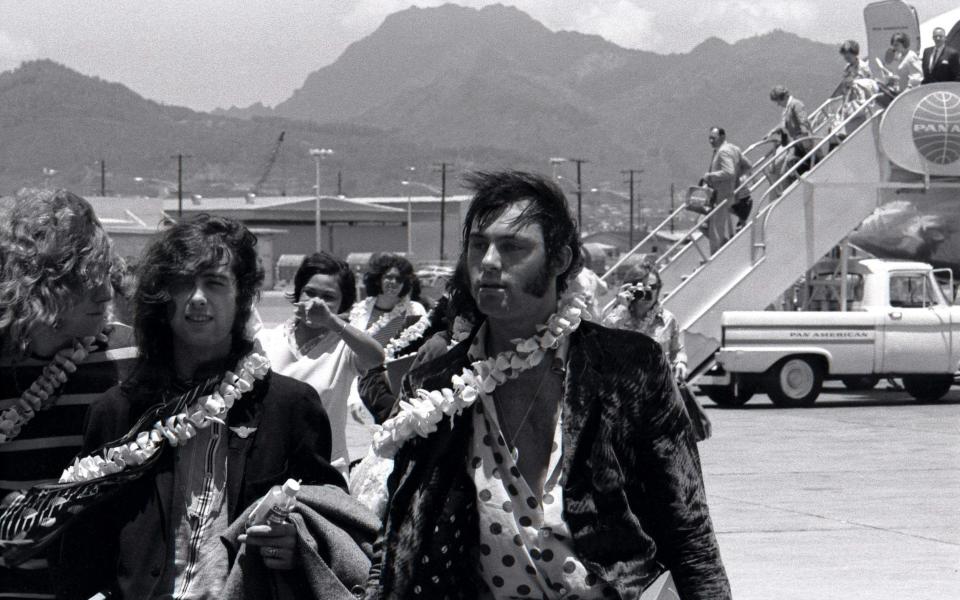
{"points": [[735, 16], [620, 21], [364, 16], [15, 50]]}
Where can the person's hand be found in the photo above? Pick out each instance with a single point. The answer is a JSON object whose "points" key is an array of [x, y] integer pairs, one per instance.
{"points": [[680, 371], [357, 410], [625, 295], [314, 313], [277, 544]]}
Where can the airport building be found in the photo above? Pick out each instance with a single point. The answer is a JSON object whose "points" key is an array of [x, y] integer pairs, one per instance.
{"points": [[286, 225]]}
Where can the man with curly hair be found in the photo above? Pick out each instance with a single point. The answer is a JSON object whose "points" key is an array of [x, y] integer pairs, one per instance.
{"points": [[57, 350], [160, 537]]}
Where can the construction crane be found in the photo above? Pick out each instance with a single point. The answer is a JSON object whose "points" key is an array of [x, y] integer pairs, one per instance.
{"points": [[271, 160]]}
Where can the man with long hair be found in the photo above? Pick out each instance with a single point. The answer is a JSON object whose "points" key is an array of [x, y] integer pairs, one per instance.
{"points": [[160, 536], [57, 349], [567, 465]]}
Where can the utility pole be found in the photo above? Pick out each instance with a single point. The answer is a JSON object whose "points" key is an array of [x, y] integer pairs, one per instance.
{"points": [[318, 154], [339, 182], [443, 205], [103, 177], [631, 172], [579, 162], [180, 156]]}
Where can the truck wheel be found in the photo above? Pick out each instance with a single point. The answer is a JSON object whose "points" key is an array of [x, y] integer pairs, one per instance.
{"points": [[860, 382], [927, 387], [729, 396], [795, 382]]}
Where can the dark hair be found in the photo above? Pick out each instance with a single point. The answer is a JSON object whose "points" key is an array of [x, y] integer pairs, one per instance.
{"points": [[779, 92], [902, 38], [640, 273], [494, 192], [379, 265], [850, 47], [184, 250], [720, 131], [461, 301], [321, 263]]}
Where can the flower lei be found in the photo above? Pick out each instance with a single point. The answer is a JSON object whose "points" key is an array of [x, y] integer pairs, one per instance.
{"points": [[54, 375], [407, 337], [176, 429], [419, 415], [363, 310]]}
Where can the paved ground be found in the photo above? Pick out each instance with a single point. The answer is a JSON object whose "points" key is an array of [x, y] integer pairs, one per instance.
{"points": [[854, 498], [857, 497]]}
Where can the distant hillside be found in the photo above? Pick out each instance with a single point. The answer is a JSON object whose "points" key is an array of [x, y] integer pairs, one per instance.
{"points": [[52, 117], [483, 88], [455, 76]]}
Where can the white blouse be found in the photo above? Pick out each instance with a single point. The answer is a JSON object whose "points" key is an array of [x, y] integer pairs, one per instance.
{"points": [[329, 366]]}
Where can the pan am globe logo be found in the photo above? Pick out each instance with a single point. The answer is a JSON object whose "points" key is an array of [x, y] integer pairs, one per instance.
{"points": [[936, 127]]}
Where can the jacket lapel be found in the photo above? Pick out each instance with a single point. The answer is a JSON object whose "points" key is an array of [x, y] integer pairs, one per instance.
{"points": [[579, 392], [244, 417]]}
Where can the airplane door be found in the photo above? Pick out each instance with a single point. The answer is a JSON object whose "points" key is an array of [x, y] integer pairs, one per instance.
{"points": [[883, 19], [917, 327]]}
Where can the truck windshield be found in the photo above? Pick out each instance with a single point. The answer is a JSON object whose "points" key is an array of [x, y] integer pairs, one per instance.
{"points": [[912, 290]]}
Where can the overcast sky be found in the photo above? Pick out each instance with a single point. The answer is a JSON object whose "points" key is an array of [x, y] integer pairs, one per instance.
{"points": [[217, 53]]}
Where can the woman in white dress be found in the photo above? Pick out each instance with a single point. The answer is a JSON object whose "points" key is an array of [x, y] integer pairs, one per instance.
{"points": [[318, 346], [903, 67]]}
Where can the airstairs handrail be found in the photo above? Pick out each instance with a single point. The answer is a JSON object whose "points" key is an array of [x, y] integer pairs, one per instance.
{"points": [[753, 181], [823, 139], [764, 208], [758, 170], [647, 238]]}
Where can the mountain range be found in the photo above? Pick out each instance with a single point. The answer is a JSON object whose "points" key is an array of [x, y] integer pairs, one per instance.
{"points": [[477, 88]]}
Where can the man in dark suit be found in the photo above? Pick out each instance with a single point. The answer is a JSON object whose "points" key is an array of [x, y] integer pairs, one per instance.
{"points": [[160, 536], [940, 62], [568, 465]]}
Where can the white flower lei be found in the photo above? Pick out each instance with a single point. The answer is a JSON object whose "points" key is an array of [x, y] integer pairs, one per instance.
{"points": [[53, 376], [176, 429], [419, 415], [407, 337], [361, 311]]}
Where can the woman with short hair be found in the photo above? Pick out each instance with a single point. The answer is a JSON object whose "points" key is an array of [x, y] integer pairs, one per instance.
{"points": [[903, 66], [318, 345]]}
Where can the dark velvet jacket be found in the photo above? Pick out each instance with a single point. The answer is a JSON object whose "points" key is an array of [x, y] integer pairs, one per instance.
{"points": [[278, 430], [633, 499]]}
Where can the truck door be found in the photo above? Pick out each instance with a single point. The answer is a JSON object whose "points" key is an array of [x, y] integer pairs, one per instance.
{"points": [[917, 328]]}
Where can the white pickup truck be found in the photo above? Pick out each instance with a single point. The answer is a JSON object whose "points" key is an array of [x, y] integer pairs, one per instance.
{"points": [[898, 323]]}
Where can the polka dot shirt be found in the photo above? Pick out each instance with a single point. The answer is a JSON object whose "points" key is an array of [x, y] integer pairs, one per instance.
{"points": [[525, 547]]}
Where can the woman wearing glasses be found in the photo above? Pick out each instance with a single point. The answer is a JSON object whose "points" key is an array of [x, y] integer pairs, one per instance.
{"points": [[638, 308]]}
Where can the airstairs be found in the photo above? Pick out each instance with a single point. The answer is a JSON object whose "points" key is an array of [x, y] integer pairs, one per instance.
{"points": [[796, 221]]}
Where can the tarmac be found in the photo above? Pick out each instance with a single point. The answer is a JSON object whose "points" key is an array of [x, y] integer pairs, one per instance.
{"points": [[854, 498]]}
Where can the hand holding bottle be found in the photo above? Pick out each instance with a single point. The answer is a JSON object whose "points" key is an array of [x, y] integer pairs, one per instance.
{"points": [[269, 530]]}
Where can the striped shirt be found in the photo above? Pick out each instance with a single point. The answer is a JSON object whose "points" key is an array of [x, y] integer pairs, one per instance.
{"points": [[200, 513], [49, 442]]}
